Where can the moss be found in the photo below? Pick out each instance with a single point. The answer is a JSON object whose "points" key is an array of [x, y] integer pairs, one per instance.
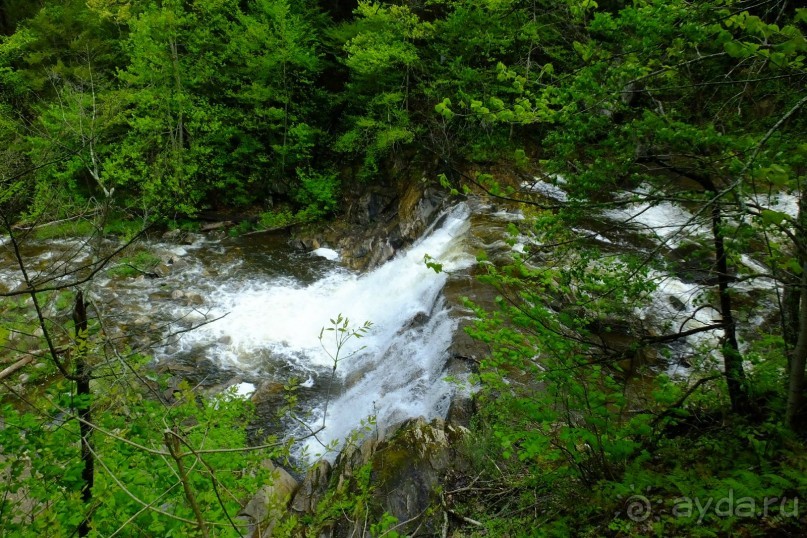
{"points": [[137, 264], [65, 300], [390, 461], [77, 228], [123, 227]]}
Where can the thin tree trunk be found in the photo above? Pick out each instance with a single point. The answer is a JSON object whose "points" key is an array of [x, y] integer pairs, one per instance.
{"points": [[83, 407], [172, 443], [790, 314], [798, 361], [180, 135], [735, 374]]}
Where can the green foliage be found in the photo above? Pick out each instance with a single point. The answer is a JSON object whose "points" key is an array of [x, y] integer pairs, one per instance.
{"points": [[624, 108], [174, 106], [43, 469], [76, 228], [318, 193], [277, 59], [383, 61], [583, 419], [123, 226], [431, 264], [135, 264], [317, 197], [276, 219]]}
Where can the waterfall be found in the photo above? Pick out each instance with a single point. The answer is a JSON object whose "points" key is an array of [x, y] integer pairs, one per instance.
{"points": [[397, 373]]}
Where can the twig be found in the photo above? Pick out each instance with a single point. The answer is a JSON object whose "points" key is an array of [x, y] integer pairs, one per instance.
{"points": [[213, 479], [137, 499], [684, 397], [463, 518], [16, 366], [51, 223], [136, 514], [455, 514], [402, 523]]}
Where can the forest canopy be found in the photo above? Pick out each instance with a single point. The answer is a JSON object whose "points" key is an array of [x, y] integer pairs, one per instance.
{"points": [[160, 110]]}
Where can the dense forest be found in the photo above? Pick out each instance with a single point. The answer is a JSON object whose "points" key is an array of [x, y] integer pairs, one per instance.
{"points": [[118, 114]]}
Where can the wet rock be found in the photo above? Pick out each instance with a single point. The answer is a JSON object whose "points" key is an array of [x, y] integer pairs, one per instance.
{"points": [[161, 270], [269, 506], [159, 296], [371, 205], [461, 411], [271, 393], [172, 235], [177, 294], [313, 488], [193, 298], [177, 263], [676, 303], [406, 469], [466, 349], [417, 320], [378, 223], [210, 226], [418, 210], [191, 238]]}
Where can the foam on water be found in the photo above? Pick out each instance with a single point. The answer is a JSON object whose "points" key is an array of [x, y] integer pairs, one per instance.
{"points": [[244, 390], [674, 307], [326, 253], [284, 316], [397, 374], [404, 380], [778, 201], [667, 221], [547, 190]]}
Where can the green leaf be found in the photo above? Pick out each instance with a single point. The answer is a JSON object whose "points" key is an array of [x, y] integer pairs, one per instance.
{"points": [[773, 217]]}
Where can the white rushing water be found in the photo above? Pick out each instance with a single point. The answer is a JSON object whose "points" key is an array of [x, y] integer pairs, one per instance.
{"points": [[665, 221], [398, 373], [272, 304]]}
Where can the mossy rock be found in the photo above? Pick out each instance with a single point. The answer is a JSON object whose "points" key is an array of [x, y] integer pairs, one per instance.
{"points": [[405, 472]]}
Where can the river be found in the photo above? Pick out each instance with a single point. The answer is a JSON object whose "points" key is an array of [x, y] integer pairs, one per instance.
{"points": [[256, 308]]}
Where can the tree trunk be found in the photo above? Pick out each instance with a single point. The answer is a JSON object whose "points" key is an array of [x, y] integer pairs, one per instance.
{"points": [[172, 442], [798, 361], [790, 314], [82, 373], [735, 374], [179, 137]]}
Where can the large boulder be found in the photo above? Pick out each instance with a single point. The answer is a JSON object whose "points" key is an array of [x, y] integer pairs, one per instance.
{"points": [[270, 505], [407, 470], [398, 475], [313, 488], [380, 220]]}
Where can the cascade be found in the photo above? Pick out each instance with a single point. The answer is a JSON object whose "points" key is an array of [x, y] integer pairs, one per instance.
{"points": [[394, 372]]}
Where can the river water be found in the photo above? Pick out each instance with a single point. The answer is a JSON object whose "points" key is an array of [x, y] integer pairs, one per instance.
{"points": [[256, 308], [273, 304]]}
